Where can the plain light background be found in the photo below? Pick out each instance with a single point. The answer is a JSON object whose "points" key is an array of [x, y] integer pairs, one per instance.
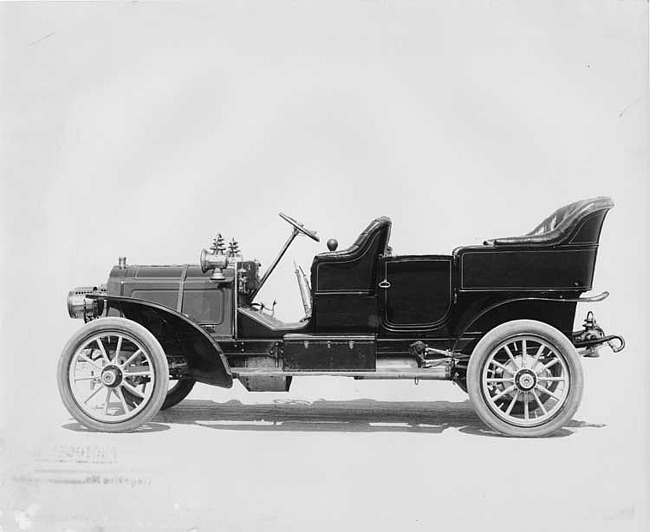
{"points": [[141, 129]]}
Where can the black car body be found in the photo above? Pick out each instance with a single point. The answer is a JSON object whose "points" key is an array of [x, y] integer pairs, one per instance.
{"points": [[497, 319]]}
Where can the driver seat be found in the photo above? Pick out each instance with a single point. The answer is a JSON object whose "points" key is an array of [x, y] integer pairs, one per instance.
{"points": [[344, 283], [354, 268]]}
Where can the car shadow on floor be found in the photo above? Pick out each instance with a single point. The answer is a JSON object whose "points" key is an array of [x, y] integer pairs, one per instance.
{"points": [[358, 415]]}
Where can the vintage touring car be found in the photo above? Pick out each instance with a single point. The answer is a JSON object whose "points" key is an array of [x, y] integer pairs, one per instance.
{"points": [[497, 319]]}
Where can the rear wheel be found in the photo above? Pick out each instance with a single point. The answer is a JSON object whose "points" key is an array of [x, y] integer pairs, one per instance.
{"points": [[113, 375], [525, 379]]}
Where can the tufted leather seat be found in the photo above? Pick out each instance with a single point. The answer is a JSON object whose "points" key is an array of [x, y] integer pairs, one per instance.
{"points": [[563, 223], [378, 225], [352, 268]]}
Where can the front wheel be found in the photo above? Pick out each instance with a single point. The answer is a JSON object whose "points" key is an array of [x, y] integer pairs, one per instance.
{"points": [[525, 379], [113, 375]]}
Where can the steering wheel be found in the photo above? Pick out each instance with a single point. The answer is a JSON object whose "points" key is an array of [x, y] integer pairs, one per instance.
{"points": [[299, 227]]}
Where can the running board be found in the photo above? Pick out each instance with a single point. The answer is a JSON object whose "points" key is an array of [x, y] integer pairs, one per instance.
{"points": [[442, 372]]}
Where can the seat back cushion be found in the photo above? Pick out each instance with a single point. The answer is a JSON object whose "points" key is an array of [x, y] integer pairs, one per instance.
{"points": [[564, 222], [353, 268]]}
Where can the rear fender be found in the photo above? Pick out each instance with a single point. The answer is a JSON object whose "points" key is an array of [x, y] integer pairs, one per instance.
{"points": [[178, 335], [557, 312]]}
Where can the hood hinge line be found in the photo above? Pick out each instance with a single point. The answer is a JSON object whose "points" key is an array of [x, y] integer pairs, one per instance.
{"points": [[181, 286]]}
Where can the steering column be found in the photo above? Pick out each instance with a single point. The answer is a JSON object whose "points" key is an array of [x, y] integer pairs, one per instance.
{"points": [[298, 229]]}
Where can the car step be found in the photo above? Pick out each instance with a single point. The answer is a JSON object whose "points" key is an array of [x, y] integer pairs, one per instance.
{"points": [[442, 372]]}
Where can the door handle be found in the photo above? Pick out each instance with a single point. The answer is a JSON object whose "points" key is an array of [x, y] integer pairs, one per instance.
{"points": [[384, 284]]}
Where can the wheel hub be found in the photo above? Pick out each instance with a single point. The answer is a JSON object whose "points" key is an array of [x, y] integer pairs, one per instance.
{"points": [[111, 376], [526, 380]]}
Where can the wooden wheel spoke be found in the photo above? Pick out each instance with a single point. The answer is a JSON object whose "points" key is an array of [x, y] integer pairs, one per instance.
{"points": [[109, 391], [98, 341], [547, 366], [132, 389], [503, 392], [93, 394], [132, 358], [510, 356], [526, 411], [503, 367], [548, 392], [537, 355], [552, 379], [120, 395], [137, 373], [512, 403], [116, 359], [539, 403]]}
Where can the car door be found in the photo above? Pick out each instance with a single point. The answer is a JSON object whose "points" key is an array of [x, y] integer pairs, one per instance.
{"points": [[416, 291]]}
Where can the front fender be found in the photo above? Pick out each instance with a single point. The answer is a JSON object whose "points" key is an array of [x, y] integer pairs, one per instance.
{"points": [[177, 334]]}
